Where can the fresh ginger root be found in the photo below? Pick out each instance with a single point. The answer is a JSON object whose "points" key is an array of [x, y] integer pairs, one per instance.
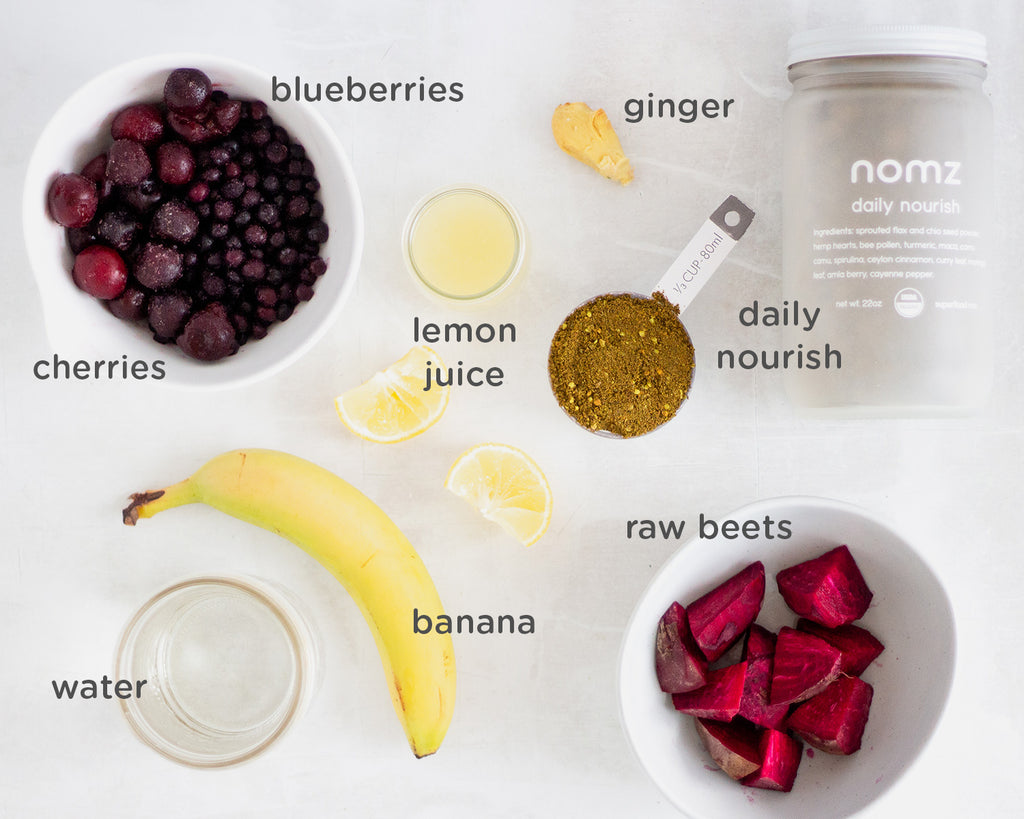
{"points": [[588, 136]]}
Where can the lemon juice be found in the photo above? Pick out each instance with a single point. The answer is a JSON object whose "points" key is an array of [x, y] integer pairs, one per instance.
{"points": [[464, 243]]}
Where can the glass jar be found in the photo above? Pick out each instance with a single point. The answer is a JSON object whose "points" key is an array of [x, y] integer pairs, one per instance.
{"points": [[886, 222]]}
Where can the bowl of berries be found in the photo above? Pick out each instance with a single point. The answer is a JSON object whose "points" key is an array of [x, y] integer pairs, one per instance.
{"points": [[793, 659], [186, 230]]}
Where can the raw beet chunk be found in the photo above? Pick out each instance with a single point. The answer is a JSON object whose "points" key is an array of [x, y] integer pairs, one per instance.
{"points": [[719, 698], [719, 618], [780, 755], [834, 720], [858, 647], [829, 589], [760, 643], [677, 660], [755, 704], [734, 746], [804, 665]]}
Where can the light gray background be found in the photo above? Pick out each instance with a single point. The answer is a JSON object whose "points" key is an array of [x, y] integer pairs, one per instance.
{"points": [[536, 731]]}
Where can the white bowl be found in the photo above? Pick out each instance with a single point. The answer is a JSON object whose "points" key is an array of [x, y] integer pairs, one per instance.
{"points": [[79, 327], [910, 613]]}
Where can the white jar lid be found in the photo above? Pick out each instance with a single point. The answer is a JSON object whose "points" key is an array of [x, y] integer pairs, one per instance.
{"points": [[887, 40]]}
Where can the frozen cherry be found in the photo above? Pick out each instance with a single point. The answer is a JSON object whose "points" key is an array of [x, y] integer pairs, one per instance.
{"points": [[118, 228], [175, 163], [167, 313], [130, 305], [226, 114], [209, 335], [96, 169], [158, 266], [100, 271], [127, 162], [79, 238], [72, 200], [144, 196], [187, 90], [141, 122], [175, 221], [191, 129]]}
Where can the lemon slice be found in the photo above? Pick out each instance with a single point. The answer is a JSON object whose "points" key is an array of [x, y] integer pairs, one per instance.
{"points": [[506, 486], [393, 406]]}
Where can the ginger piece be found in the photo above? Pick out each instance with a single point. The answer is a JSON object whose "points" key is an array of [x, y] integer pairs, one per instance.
{"points": [[588, 136]]}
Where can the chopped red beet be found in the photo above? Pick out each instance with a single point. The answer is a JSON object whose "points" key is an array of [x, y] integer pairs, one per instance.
{"points": [[780, 759], [804, 665], [829, 589], [760, 643], [734, 746], [719, 699], [679, 664], [858, 646], [755, 704], [719, 618], [834, 720]]}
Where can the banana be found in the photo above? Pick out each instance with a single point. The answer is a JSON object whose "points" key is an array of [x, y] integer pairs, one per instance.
{"points": [[357, 542]]}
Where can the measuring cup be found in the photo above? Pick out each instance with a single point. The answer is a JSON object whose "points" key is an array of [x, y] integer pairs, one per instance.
{"points": [[679, 286]]}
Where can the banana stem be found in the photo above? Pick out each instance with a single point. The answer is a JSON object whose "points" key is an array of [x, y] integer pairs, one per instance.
{"points": [[147, 504]]}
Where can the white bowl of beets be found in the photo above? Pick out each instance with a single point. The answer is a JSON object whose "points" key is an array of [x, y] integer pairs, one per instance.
{"points": [[181, 229], [831, 666]]}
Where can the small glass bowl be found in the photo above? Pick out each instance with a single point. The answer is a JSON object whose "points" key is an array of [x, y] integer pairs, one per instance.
{"points": [[229, 663], [473, 195]]}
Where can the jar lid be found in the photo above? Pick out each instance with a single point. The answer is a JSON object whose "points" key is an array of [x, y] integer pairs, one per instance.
{"points": [[887, 40]]}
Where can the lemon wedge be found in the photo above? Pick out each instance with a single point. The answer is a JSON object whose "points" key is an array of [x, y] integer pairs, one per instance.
{"points": [[393, 405], [506, 486]]}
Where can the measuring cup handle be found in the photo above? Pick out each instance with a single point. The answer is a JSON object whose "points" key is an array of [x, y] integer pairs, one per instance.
{"points": [[705, 252], [733, 217]]}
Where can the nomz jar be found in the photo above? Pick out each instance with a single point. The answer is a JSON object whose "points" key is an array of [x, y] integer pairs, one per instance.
{"points": [[887, 230]]}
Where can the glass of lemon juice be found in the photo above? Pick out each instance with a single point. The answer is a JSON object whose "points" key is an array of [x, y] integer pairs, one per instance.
{"points": [[464, 243]]}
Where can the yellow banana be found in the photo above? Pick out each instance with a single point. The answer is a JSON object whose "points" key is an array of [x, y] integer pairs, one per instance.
{"points": [[357, 542]]}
